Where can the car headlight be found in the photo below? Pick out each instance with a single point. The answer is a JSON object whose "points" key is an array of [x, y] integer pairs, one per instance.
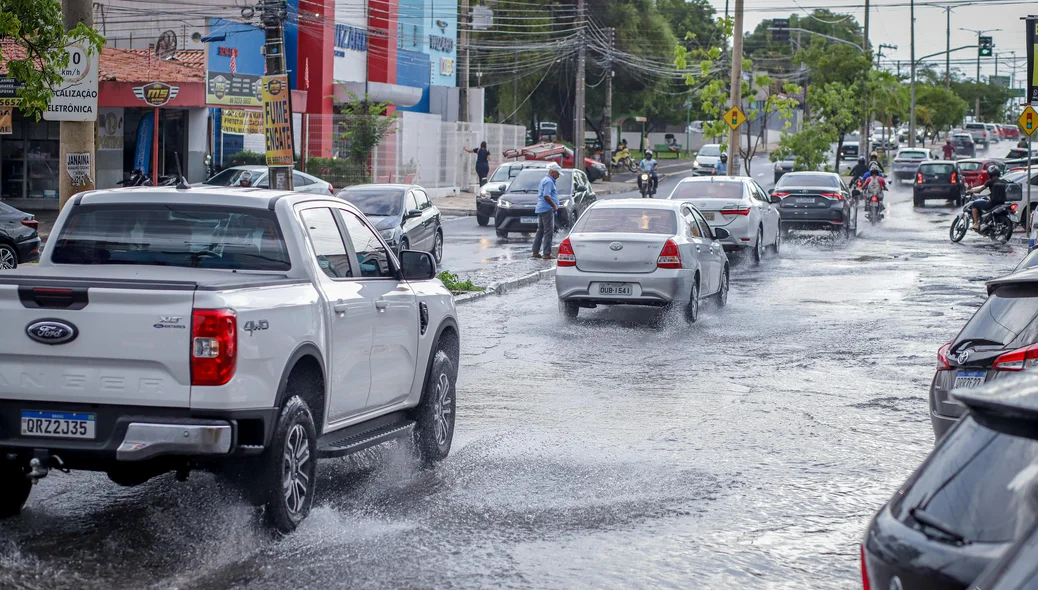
{"points": [[504, 203], [564, 203], [483, 191], [695, 163], [388, 235], [778, 165]]}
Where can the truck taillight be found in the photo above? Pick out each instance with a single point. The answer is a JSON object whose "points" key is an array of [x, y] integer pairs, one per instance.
{"points": [[214, 343]]}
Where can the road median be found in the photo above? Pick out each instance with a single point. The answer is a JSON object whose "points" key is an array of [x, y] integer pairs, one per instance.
{"points": [[502, 287]]}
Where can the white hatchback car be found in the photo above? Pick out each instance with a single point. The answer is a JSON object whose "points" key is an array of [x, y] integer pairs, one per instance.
{"points": [[642, 252], [740, 206], [301, 181]]}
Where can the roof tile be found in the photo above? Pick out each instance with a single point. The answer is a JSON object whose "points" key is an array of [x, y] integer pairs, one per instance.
{"points": [[126, 65]]}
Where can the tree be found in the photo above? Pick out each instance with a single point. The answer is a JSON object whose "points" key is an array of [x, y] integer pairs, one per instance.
{"points": [[939, 109], [366, 125], [779, 103], [712, 82], [807, 148], [993, 99], [839, 108], [35, 27]]}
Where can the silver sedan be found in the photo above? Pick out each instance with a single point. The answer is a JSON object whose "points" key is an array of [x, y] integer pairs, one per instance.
{"points": [[639, 252]]}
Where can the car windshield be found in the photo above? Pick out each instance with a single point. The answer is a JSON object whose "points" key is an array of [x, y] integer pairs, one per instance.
{"points": [[530, 181], [937, 168], [376, 202], [969, 166], [808, 180], [913, 155], [505, 173], [230, 177], [629, 220], [708, 190], [977, 482], [197, 236], [710, 150], [1006, 314]]}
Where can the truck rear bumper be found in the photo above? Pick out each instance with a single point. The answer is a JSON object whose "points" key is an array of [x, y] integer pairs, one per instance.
{"points": [[145, 440]]}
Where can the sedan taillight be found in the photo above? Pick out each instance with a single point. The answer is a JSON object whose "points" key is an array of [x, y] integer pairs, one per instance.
{"points": [[566, 256], [740, 211], [31, 223], [1018, 360], [942, 357], [837, 196], [670, 256]]}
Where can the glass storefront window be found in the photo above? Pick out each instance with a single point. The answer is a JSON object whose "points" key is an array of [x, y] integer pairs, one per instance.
{"points": [[29, 156]]}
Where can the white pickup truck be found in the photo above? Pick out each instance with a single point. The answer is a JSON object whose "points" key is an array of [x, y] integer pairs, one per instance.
{"points": [[244, 331]]}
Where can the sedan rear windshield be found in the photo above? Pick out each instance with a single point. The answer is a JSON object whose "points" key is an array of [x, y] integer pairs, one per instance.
{"points": [[937, 168], [974, 126], [912, 156], [708, 190], [808, 180], [196, 236], [977, 482], [969, 166], [628, 220], [1008, 313]]}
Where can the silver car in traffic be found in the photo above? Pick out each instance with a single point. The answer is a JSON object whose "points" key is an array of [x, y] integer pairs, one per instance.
{"points": [[641, 252]]}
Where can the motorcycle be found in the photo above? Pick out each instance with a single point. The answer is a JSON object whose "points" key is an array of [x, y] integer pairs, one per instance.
{"points": [[645, 185], [874, 203], [996, 223], [136, 178], [622, 159]]}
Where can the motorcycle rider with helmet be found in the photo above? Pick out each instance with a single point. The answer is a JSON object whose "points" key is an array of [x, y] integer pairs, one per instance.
{"points": [[245, 179], [721, 167], [875, 174], [997, 185], [874, 159], [648, 165], [859, 170]]}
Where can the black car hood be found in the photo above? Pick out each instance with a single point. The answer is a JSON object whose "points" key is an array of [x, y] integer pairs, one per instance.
{"points": [[523, 198], [382, 223]]}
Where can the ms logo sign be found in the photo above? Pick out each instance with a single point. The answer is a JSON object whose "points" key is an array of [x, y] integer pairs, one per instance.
{"points": [[156, 94]]}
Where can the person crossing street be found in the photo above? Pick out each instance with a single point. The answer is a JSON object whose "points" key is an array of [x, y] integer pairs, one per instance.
{"points": [[547, 208]]}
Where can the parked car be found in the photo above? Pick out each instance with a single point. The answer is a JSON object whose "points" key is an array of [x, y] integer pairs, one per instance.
{"points": [[489, 193], [993, 132], [906, 162], [964, 145], [938, 179], [976, 170], [998, 339], [403, 214], [979, 133], [739, 205], [815, 200], [708, 156], [515, 208], [642, 252], [301, 181], [965, 505], [19, 237], [246, 332]]}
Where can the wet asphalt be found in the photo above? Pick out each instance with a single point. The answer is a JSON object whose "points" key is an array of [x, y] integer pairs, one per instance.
{"points": [[746, 451]]}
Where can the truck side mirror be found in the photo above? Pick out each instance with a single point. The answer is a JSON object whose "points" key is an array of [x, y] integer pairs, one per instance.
{"points": [[417, 266]]}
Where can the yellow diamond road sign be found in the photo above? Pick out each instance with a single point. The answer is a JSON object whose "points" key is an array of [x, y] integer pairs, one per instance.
{"points": [[734, 118], [1028, 120]]}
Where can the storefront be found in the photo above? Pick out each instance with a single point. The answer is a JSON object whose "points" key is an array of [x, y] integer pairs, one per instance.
{"points": [[29, 159]]}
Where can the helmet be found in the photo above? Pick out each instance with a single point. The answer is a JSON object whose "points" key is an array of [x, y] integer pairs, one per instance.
{"points": [[874, 156], [724, 157], [554, 167], [994, 171], [648, 153], [861, 160], [874, 167], [245, 179]]}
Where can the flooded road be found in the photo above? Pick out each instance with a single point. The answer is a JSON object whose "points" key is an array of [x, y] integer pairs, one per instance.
{"points": [[746, 451]]}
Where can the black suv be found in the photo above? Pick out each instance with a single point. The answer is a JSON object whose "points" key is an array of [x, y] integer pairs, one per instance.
{"points": [[938, 180], [999, 339], [515, 208]]}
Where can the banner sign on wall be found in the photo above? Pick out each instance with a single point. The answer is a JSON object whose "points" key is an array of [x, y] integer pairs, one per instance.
{"points": [[75, 99], [6, 121], [227, 89], [142, 157], [1032, 60], [277, 121], [9, 92], [241, 122]]}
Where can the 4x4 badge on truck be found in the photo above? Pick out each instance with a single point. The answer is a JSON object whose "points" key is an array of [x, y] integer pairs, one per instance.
{"points": [[52, 331]]}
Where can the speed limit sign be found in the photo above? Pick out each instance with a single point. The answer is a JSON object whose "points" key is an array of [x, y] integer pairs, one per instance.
{"points": [[75, 98]]}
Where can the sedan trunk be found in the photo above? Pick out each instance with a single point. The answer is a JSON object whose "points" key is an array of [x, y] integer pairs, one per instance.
{"points": [[617, 252]]}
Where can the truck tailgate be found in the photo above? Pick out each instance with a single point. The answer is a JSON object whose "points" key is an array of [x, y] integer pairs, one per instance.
{"points": [[130, 343]]}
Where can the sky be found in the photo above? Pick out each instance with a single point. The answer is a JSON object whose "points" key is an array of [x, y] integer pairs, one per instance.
{"points": [[891, 25]]}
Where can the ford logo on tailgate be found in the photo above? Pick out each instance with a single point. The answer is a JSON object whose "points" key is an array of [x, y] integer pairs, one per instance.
{"points": [[51, 331]]}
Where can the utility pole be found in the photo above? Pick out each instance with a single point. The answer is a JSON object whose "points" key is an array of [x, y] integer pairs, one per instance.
{"points": [[911, 114], [947, 56], [607, 136], [736, 92], [863, 141], [578, 111], [464, 24], [515, 88], [77, 137], [273, 16]]}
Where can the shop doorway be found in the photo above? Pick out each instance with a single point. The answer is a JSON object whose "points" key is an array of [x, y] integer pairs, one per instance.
{"points": [[173, 132]]}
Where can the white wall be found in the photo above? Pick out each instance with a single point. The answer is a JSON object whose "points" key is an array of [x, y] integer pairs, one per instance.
{"points": [[352, 65], [132, 24]]}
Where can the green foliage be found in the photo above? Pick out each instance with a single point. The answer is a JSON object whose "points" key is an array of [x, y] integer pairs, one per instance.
{"points": [[834, 62], [366, 124], [807, 148], [455, 285], [993, 99], [780, 103], [779, 56], [713, 84], [938, 109], [37, 27]]}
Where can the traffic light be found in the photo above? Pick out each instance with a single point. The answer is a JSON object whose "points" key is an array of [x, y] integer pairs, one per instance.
{"points": [[985, 46], [780, 30]]}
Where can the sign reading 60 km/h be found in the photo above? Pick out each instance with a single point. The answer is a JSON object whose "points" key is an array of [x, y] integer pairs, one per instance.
{"points": [[277, 121]]}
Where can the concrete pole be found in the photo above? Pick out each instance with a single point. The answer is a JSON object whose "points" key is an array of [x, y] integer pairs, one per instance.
{"points": [[947, 56], [607, 136], [863, 141], [274, 14], [578, 111], [911, 115], [736, 91], [464, 24], [76, 137]]}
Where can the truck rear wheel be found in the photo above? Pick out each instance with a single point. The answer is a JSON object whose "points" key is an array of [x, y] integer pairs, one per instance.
{"points": [[14, 488], [288, 472], [434, 415]]}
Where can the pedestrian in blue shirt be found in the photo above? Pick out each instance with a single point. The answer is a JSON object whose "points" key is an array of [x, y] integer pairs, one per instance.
{"points": [[547, 207]]}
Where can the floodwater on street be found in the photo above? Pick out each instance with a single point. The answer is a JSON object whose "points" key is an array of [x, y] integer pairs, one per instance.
{"points": [[748, 450]]}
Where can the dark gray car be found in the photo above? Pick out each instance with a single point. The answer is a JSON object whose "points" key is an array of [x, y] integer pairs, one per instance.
{"points": [[402, 213], [19, 240]]}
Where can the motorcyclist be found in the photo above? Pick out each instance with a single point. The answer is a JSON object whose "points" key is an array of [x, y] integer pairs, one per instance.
{"points": [[875, 174], [874, 159], [649, 165], [948, 149], [859, 170], [997, 185], [245, 180], [721, 167]]}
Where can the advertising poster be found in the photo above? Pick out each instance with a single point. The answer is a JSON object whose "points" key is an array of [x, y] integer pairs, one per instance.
{"points": [[1032, 60], [241, 122], [277, 121]]}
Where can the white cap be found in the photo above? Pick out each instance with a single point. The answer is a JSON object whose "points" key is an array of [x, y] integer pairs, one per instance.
{"points": [[554, 167]]}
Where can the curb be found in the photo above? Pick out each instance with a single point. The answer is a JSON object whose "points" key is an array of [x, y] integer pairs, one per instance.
{"points": [[503, 287]]}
